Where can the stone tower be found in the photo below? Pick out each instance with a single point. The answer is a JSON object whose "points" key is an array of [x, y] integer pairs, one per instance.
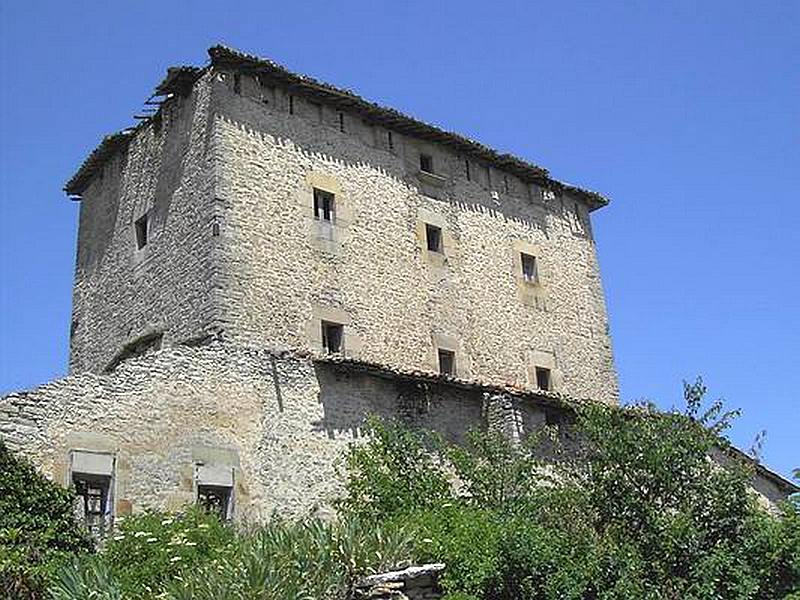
{"points": [[270, 210]]}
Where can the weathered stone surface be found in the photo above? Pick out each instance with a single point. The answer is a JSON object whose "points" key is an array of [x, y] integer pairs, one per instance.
{"points": [[234, 248], [282, 423]]}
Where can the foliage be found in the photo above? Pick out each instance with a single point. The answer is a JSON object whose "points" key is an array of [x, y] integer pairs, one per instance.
{"points": [[398, 470], [146, 552], [305, 559], [37, 526], [193, 555], [637, 509]]}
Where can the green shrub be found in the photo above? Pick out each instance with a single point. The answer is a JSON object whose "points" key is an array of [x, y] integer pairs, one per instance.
{"points": [[37, 527], [306, 559], [637, 510]]}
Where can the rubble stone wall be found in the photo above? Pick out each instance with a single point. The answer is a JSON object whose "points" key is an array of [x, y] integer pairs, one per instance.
{"points": [[282, 423], [123, 294], [283, 270]]}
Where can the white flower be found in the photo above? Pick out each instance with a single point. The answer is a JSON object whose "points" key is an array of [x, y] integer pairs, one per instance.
{"points": [[175, 559]]}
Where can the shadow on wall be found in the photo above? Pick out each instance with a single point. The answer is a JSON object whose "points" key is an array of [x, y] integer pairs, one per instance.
{"points": [[348, 398]]}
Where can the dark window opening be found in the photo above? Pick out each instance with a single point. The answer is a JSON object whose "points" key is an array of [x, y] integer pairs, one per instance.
{"points": [[543, 381], [291, 105], [216, 499], [447, 362], [341, 122], [141, 231], [426, 163], [466, 165], [332, 337], [92, 492], [390, 140], [237, 83], [433, 237], [323, 205], [530, 270]]}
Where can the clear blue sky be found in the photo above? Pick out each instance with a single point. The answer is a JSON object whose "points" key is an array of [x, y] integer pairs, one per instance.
{"points": [[685, 113]]}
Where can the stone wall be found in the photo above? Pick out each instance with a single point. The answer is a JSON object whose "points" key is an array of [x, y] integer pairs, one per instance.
{"points": [[123, 294], [281, 422], [284, 271], [227, 181]]}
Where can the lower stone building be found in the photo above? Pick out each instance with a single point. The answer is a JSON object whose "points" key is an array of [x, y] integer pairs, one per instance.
{"points": [[251, 432]]}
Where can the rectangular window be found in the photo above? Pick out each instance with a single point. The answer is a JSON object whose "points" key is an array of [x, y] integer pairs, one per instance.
{"points": [[332, 337], [390, 140], [433, 238], [341, 122], [447, 362], [323, 205], [426, 163], [141, 230], [530, 270], [543, 380], [93, 494], [237, 83], [291, 105], [466, 165], [216, 499]]}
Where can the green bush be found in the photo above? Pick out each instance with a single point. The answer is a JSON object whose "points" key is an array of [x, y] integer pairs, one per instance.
{"points": [[636, 510], [37, 527], [306, 559], [148, 551]]}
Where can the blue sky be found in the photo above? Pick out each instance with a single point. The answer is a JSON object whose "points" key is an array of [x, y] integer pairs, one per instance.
{"points": [[685, 113]]}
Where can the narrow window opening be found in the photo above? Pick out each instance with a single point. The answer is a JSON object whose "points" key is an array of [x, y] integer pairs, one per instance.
{"points": [[216, 499], [237, 83], [332, 337], [324, 205], [447, 362], [426, 163], [466, 165], [433, 237], [141, 228], [530, 270], [543, 379], [341, 122], [390, 140], [291, 105], [93, 493]]}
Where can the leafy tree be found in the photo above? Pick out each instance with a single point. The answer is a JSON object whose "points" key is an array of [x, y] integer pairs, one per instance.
{"points": [[637, 510], [37, 526]]}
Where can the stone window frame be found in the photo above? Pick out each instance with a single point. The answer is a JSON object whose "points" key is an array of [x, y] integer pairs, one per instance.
{"points": [[544, 359], [448, 247], [141, 254], [91, 465], [449, 343], [532, 292], [351, 341], [338, 329], [214, 478], [326, 236]]}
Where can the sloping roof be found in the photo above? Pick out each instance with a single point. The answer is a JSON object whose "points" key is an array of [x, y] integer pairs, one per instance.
{"points": [[180, 79], [398, 121], [541, 397], [107, 148]]}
